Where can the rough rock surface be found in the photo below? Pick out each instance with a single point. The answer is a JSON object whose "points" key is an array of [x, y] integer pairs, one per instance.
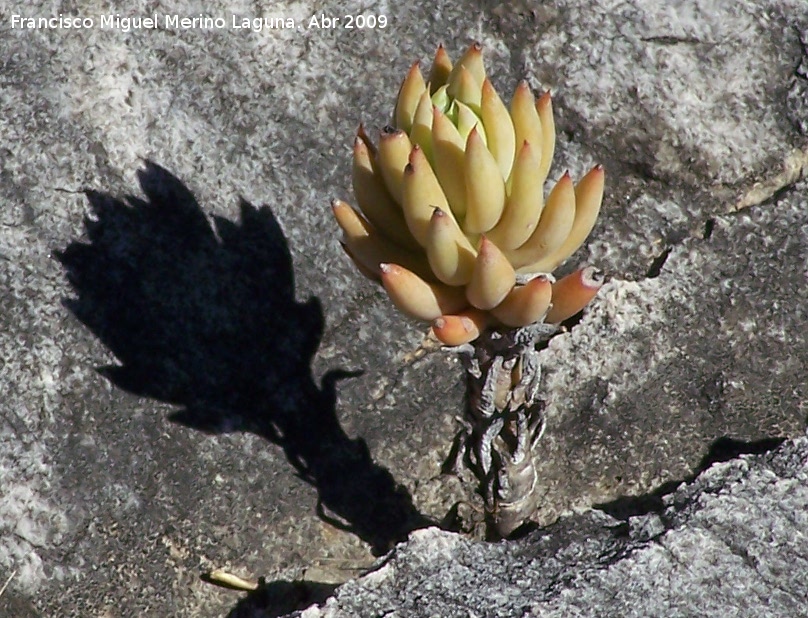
{"points": [[624, 374], [732, 543], [180, 369]]}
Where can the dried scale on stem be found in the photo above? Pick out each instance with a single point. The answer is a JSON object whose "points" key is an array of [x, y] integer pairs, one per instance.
{"points": [[453, 222]]}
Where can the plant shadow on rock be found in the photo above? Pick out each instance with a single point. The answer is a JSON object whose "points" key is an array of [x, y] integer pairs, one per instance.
{"points": [[204, 317]]}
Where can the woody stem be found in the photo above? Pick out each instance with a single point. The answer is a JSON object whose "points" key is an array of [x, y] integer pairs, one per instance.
{"points": [[504, 421]]}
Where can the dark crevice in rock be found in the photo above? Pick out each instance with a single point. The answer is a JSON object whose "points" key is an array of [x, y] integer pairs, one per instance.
{"points": [[566, 326], [709, 226], [675, 40], [721, 450], [657, 264]]}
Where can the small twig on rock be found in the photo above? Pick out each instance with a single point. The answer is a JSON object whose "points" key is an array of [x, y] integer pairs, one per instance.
{"points": [[228, 580], [8, 581]]}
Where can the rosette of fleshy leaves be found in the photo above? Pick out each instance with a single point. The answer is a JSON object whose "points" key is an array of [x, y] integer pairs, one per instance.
{"points": [[454, 221]]}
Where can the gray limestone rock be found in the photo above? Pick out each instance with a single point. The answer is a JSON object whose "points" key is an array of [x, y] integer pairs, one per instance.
{"points": [[731, 543], [194, 376], [739, 298]]}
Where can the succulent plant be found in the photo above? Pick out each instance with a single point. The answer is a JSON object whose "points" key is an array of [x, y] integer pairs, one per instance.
{"points": [[455, 225]]}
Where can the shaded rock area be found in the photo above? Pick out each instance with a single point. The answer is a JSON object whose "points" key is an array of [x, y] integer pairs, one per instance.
{"points": [[194, 377], [732, 543]]}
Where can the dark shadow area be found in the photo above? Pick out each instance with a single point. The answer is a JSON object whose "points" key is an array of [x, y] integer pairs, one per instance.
{"points": [[203, 316], [280, 598], [722, 449]]}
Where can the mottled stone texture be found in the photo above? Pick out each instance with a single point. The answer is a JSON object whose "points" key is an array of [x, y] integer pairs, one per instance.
{"points": [[192, 374], [624, 380], [732, 543]]}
